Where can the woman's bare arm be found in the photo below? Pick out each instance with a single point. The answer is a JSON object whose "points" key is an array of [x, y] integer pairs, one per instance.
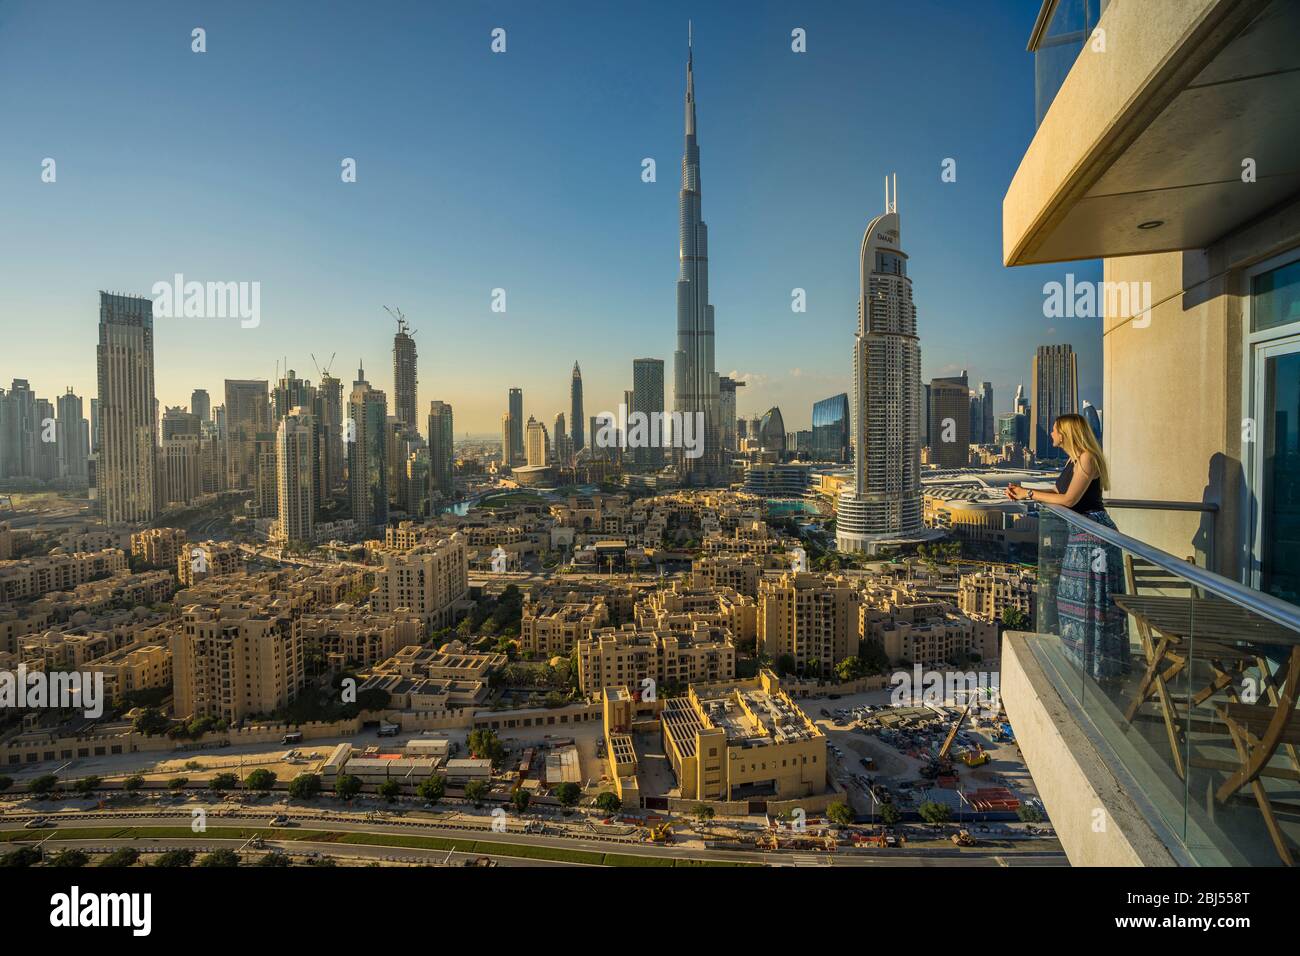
{"points": [[1084, 472]]}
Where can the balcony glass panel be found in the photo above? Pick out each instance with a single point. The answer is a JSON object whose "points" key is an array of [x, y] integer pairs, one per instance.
{"points": [[1185, 680], [1070, 24]]}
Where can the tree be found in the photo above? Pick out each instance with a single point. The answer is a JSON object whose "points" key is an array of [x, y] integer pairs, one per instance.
{"points": [[23, 856], [373, 698], [851, 668], [347, 786], [1029, 814], [87, 785], [133, 782], [275, 858], [609, 802], [305, 786], [222, 857], [69, 858], [151, 722], [934, 813], [786, 664], [432, 789], [5, 782], [43, 785], [568, 794], [260, 780], [223, 781], [175, 858], [476, 791], [889, 814], [519, 799], [839, 813], [126, 856], [390, 790], [177, 783], [485, 745], [874, 658], [1014, 619], [703, 812]]}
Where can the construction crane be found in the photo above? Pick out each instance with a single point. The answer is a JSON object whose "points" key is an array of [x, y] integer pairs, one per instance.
{"points": [[952, 734], [322, 372], [940, 765], [402, 325]]}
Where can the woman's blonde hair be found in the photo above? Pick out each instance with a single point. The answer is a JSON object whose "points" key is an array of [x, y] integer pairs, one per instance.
{"points": [[1077, 437]]}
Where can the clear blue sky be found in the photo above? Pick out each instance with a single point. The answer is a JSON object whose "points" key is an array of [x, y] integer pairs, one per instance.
{"points": [[519, 170]]}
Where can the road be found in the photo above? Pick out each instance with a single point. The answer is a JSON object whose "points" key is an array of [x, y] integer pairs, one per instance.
{"points": [[425, 827]]}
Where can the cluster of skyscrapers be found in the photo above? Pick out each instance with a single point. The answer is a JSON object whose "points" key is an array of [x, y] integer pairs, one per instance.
{"points": [[294, 446], [43, 440]]}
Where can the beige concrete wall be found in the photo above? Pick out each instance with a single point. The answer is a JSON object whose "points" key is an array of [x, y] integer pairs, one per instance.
{"points": [[1173, 389], [1095, 819]]}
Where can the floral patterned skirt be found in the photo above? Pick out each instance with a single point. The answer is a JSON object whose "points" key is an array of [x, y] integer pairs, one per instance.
{"points": [[1093, 628]]}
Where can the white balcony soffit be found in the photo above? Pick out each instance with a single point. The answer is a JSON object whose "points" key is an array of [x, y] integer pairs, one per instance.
{"points": [[1156, 128]]}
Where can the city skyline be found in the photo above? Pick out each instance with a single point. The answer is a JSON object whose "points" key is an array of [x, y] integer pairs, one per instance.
{"points": [[801, 370]]}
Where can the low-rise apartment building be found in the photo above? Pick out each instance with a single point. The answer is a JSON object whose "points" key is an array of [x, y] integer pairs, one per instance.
{"points": [[35, 577], [237, 660], [158, 547], [811, 618], [428, 581], [612, 657]]}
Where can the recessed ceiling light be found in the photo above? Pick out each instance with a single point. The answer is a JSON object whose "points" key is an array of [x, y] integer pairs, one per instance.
{"points": [[1151, 224]]}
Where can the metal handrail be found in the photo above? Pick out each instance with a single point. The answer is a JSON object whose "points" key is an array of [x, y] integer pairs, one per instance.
{"points": [[1257, 602], [1146, 505]]}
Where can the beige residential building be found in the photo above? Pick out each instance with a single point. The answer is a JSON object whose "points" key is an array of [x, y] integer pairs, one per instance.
{"points": [[158, 547], [428, 581], [612, 657], [350, 636], [233, 661], [201, 560], [918, 629], [738, 572], [552, 628], [134, 668], [809, 617], [680, 608], [35, 577], [119, 590], [986, 594]]}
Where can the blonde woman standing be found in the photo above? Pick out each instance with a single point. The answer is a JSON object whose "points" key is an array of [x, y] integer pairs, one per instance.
{"points": [[1094, 630]]}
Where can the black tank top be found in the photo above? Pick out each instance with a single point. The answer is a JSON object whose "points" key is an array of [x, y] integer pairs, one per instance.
{"points": [[1091, 500]]}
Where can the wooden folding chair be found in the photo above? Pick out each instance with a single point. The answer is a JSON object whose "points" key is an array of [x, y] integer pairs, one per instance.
{"points": [[1257, 731], [1167, 655]]}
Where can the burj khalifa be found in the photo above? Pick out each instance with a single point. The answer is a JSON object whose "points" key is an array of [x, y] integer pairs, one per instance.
{"points": [[695, 380]]}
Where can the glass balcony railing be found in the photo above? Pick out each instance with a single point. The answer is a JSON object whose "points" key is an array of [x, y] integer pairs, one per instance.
{"points": [[1067, 26], [1187, 678]]}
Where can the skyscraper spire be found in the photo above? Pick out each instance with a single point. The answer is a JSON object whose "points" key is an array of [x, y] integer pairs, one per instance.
{"points": [[695, 380], [690, 81]]}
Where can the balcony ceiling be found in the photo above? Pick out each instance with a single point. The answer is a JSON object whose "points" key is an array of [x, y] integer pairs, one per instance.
{"points": [[1156, 130]]}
